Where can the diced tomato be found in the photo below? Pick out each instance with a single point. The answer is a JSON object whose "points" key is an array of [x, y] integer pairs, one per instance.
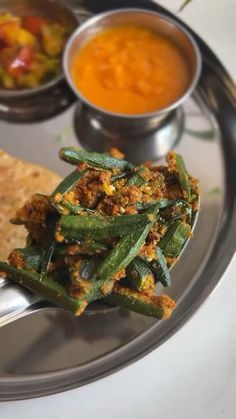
{"points": [[27, 55], [22, 62], [33, 24]]}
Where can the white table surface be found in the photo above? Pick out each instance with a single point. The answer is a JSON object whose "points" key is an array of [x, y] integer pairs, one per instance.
{"points": [[193, 374]]}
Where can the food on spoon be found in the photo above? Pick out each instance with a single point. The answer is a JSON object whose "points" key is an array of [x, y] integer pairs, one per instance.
{"points": [[18, 181], [110, 231], [131, 70], [30, 50]]}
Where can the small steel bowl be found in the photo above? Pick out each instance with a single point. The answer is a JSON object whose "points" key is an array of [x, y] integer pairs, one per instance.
{"points": [[47, 99], [140, 136]]}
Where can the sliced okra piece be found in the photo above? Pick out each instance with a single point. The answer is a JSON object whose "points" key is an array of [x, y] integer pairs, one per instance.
{"points": [[38, 257], [173, 241], [83, 269], [177, 211], [68, 208], [89, 247], [89, 267], [140, 276], [47, 288], [136, 178], [159, 307], [68, 183], [65, 186], [159, 204], [177, 165], [123, 253], [74, 227], [118, 176], [80, 270], [30, 258], [159, 268], [75, 155]]}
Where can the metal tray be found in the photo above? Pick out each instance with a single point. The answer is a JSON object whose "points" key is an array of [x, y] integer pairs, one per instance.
{"points": [[52, 351]]}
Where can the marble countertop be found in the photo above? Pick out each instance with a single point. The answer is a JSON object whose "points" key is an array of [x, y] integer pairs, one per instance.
{"points": [[193, 374]]}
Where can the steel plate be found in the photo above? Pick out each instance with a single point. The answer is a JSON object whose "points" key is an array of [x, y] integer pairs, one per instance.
{"points": [[52, 351]]}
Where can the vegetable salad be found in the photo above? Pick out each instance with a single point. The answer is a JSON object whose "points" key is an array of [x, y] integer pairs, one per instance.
{"points": [[30, 50]]}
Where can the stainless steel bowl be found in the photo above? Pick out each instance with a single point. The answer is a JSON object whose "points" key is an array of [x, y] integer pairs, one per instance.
{"points": [[47, 99], [52, 9], [140, 136]]}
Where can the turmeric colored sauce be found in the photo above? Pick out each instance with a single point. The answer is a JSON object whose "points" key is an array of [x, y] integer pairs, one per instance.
{"points": [[130, 70]]}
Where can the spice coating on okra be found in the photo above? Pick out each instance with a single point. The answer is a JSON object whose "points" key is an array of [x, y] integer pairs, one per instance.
{"points": [[110, 231]]}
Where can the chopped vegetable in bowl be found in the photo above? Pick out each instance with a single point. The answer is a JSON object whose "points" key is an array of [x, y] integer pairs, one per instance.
{"points": [[110, 231], [30, 50]]}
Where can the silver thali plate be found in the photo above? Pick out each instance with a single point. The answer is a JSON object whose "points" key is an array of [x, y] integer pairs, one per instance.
{"points": [[51, 350]]}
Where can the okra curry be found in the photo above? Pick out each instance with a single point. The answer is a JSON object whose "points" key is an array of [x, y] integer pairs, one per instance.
{"points": [[110, 231], [130, 70]]}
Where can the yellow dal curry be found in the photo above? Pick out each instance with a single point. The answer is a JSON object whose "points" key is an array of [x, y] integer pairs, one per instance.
{"points": [[130, 70]]}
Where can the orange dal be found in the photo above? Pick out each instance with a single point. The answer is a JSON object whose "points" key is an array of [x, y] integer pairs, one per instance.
{"points": [[130, 70]]}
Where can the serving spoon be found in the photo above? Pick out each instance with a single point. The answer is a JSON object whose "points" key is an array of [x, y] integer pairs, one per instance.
{"points": [[17, 301]]}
